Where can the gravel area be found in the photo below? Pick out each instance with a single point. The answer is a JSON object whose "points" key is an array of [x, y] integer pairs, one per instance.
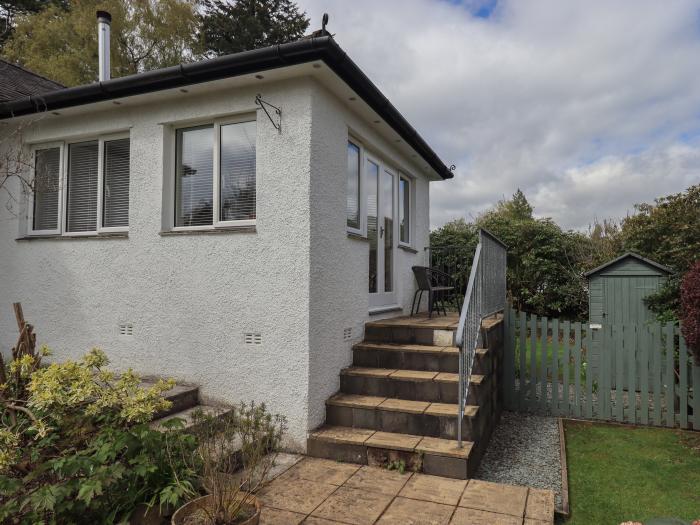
{"points": [[524, 450]]}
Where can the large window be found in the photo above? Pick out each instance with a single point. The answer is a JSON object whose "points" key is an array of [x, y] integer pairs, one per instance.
{"points": [[215, 175], [88, 193]]}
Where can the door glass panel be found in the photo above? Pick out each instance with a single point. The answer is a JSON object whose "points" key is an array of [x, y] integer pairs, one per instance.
{"points": [[387, 227], [372, 209]]}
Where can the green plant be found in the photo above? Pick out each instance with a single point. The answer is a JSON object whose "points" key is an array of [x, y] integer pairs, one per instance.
{"points": [[75, 445], [236, 449], [398, 464]]}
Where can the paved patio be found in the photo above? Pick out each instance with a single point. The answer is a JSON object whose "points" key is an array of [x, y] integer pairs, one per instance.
{"points": [[325, 492]]}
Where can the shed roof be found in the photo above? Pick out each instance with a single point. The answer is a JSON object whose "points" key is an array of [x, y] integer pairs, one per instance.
{"points": [[637, 257], [16, 82]]}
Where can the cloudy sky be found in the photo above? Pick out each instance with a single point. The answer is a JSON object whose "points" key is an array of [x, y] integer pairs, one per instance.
{"points": [[589, 106]]}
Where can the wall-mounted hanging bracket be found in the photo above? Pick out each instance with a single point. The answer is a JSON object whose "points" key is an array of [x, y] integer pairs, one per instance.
{"points": [[277, 122]]}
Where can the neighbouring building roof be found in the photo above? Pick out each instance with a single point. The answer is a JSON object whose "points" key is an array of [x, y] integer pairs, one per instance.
{"points": [[310, 49], [643, 260], [17, 82]]}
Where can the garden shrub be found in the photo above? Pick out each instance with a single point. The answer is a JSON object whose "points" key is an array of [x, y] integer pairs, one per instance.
{"points": [[75, 445], [690, 310]]}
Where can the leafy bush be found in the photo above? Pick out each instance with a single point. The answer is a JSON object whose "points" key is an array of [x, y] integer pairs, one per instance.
{"points": [[690, 309], [75, 445]]}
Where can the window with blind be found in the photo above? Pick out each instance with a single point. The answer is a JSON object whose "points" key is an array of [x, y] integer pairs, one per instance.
{"points": [[88, 194], [47, 171], [221, 193], [353, 190]]}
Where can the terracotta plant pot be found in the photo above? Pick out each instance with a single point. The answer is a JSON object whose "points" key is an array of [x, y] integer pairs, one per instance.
{"points": [[183, 513]]}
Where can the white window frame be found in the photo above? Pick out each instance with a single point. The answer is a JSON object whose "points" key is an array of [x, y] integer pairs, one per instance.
{"points": [[409, 186], [32, 193], [63, 178], [362, 204], [216, 151]]}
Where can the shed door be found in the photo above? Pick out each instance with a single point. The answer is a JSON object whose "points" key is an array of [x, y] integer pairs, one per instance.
{"points": [[623, 298]]}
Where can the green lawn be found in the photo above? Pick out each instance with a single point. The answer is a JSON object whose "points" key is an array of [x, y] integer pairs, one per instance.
{"points": [[621, 473]]}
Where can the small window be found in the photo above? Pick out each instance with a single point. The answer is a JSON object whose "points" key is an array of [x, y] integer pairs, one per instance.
{"points": [[353, 180], [404, 210], [88, 194], [227, 185], [47, 173]]}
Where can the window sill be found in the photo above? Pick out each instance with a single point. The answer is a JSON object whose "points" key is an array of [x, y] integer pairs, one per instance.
{"points": [[407, 248], [357, 236], [97, 236], [210, 231], [385, 309]]}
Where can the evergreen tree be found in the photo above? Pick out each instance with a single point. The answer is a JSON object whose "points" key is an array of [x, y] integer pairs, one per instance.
{"points": [[240, 25]]}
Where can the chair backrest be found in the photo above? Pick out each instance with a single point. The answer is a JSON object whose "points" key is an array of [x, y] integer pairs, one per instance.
{"points": [[422, 275]]}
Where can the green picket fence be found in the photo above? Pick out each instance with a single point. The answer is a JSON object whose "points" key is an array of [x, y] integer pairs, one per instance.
{"points": [[643, 373]]}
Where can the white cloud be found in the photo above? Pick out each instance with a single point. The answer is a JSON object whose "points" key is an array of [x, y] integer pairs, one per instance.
{"points": [[585, 105]]}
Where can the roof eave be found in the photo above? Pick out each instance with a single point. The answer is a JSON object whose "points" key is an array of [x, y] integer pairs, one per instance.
{"points": [[301, 51]]}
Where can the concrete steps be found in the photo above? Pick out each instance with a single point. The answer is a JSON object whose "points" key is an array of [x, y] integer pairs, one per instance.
{"points": [[398, 400]]}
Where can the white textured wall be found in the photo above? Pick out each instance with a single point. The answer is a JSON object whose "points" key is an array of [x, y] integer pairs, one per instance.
{"points": [[190, 298], [339, 264]]}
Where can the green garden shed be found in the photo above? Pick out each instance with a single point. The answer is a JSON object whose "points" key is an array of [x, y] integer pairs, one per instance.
{"points": [[616, 292], [616, 289]]}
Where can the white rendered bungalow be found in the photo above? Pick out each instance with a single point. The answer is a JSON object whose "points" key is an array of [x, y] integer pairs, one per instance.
{"points": [[232, 223]]}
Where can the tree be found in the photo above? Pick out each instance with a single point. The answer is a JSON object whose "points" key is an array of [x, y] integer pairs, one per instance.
{"points": [[690, 310], [9, 11], [231, 27], [62, 44], [667, 231]]}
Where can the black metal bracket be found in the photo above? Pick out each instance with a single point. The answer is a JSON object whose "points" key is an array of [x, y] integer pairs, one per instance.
{"points": [[264, 105]]}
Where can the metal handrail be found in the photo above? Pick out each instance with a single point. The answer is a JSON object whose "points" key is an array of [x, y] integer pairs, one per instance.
{"points": [[485, 295]]}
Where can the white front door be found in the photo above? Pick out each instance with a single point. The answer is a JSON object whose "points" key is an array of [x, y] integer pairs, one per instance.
{"points": [[381, 226]]}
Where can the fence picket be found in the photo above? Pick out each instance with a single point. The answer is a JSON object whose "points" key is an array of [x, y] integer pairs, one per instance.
{"points": [[588, 372], [670, 377], [533, 362], [696, 397], [631, 350], [656, 378], [606, 387], [619, 373], [555, 366], [509, 358], [683, 383], [644, 340], [577, 369], [543, 363], [523, 365], [566, 403]]}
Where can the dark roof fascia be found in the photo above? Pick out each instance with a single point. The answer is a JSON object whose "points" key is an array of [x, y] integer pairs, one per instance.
{"points": [[293, 53], [649, 262]]}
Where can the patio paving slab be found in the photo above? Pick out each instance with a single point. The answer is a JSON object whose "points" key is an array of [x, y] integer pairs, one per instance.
{"points": [[299, 495], [464, 516], [540, 504], [381, 480], [405, 511], [434, 489], [353, 506], [321, 471], [495, 497], [270, 516]]}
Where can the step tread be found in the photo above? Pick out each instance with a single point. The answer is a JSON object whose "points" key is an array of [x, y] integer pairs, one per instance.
{"points": [[390, 440], [433, 323], [188, 415], [406, 347], [409, 375], [400, 405]]}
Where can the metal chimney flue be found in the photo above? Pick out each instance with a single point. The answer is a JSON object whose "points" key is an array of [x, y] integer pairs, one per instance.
{"points": [[104, 22]]}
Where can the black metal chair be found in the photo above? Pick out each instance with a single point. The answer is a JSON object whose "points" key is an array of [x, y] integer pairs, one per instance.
{"points": [[439, 286]]}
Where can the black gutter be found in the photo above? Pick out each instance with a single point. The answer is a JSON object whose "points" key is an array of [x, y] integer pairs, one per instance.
{"points": [[302, 51]]}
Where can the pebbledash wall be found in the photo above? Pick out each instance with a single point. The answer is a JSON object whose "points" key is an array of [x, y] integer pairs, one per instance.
{"points": [[298, 280]]}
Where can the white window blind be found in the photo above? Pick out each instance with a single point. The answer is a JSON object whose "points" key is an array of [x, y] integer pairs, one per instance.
{"points": [[353, 179], [82, 187], [194, 176], [47, 169], [115, 200], [237, 166], [404, 210]]}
